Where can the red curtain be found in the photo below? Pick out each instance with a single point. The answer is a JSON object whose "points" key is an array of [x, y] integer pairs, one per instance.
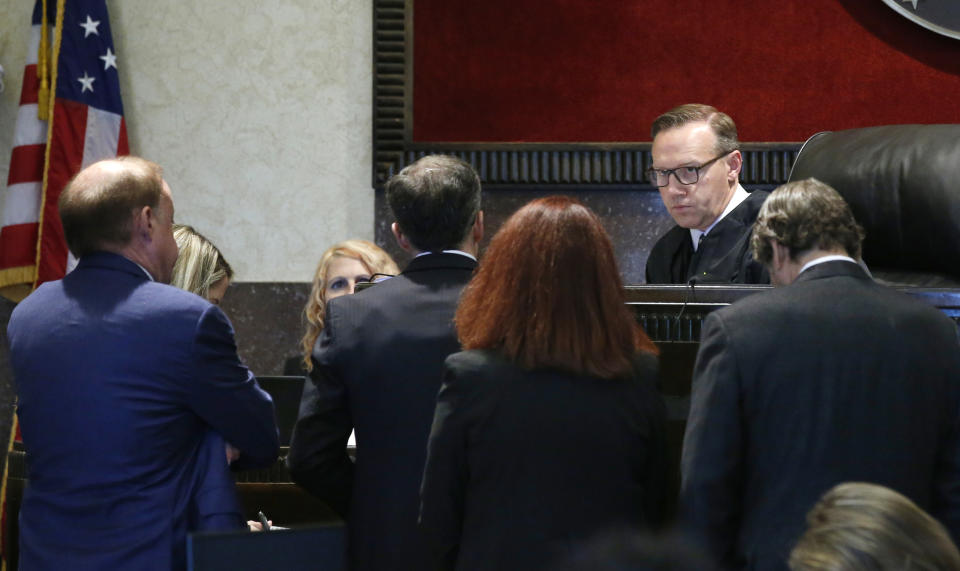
{"points": [[588, 70]]}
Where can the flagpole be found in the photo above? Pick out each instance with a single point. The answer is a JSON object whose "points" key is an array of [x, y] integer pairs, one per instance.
{"points": [[54, 62]]}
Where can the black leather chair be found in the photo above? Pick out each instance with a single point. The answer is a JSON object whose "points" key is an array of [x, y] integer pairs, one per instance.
{"points": [[903, 184]]}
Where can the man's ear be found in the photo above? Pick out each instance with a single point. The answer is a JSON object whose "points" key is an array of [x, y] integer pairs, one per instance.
{"points": [[477, 230], [401, 238], [781, 254], [144, 219], [734, 164]]}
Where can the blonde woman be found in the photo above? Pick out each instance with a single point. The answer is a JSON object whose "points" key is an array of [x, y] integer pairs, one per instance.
{"points": [[341, 268], [865, 527], [200, 267]]}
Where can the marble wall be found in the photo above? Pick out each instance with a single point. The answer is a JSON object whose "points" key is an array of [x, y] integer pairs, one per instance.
{"points": [[260, 112]]}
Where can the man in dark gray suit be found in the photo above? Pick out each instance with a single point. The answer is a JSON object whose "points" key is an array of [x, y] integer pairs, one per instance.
{"points": [[831, 378], [378, 366]]}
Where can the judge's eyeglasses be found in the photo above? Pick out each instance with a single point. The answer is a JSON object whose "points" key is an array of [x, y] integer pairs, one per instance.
{"points": [[684, 175]]}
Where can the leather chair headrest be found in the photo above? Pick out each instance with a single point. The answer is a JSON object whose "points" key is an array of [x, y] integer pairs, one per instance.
{"points": [[903, 185]]}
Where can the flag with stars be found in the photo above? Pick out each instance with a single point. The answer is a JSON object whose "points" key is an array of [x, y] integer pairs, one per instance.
{"points": [[83, 123]]}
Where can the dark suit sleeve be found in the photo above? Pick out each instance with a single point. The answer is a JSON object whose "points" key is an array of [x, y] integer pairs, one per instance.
{"points": [[655, 482], [318, 459], [712, 459], [215, 506], [946, 492], [442, 492], [222, 391]]}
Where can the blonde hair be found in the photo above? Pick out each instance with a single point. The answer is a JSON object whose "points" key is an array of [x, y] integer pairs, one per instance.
{"points": [[373, 258], [865, 527], [199, 263]]}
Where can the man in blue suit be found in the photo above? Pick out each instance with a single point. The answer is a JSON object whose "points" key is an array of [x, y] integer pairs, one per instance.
{"points": [[121, 381]]}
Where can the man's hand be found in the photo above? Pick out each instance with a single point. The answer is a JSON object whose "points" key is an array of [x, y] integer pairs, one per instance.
{"points": [[256, 525], [232, 453]]}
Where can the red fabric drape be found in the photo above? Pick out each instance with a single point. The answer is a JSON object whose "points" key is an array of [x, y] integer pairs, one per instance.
{"points": [[582, 70]]}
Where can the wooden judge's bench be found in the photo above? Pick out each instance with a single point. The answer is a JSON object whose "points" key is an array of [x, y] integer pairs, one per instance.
{"points": [[671, 315]]}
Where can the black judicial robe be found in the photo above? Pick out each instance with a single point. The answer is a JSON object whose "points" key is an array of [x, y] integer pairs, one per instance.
{"points": [[723, 256]]}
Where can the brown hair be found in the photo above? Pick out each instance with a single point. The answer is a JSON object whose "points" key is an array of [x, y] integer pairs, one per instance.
{"points": [[435, 201], [865, 527], [96, 206], [720, 123], [802, 215], [373, 258], [548, 294]]}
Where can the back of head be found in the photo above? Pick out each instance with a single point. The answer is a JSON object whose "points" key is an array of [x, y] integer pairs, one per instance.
{"points": [[435, 201], [199, 263], [548, 294], [97, 205], [866, 527], [805, 215], [720, 123]]}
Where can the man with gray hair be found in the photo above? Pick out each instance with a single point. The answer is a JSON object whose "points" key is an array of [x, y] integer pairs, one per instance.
{"points": [[830, 378], [378, 365], [696, 166]]}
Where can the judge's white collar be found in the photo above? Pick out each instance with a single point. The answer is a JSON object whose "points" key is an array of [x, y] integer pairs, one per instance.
{"points": [[739, 196]]}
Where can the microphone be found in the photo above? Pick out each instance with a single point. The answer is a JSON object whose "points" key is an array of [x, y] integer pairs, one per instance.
{"points": [[704, 278], [693, 281]]}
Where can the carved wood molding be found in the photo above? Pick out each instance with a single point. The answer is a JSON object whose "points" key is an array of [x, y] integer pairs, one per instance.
{"points": [[563, 165]]}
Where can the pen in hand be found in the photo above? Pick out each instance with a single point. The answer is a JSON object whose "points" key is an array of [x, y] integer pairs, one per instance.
{"points": [[263, 521]]}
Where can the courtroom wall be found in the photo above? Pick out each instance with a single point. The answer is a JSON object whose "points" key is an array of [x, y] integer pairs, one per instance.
{"points": [[259, 112]]}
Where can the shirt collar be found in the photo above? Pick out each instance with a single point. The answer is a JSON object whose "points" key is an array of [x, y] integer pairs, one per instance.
{"points": [[824, 259], [149, 275], [739, 195], [460, 252]]}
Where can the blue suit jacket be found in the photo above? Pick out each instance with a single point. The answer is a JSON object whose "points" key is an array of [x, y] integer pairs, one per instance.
{"points": [[121, 381]]}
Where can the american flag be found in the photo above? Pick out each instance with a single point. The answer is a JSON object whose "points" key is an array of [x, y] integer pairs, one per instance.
{"points": [[87, 125]]}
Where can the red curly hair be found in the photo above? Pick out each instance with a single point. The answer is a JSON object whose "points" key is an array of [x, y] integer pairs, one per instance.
{"points": [[548, 294]]}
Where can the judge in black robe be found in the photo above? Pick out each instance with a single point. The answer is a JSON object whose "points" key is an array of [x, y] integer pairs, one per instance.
{"points": [[695, 164], [723, 255]]}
